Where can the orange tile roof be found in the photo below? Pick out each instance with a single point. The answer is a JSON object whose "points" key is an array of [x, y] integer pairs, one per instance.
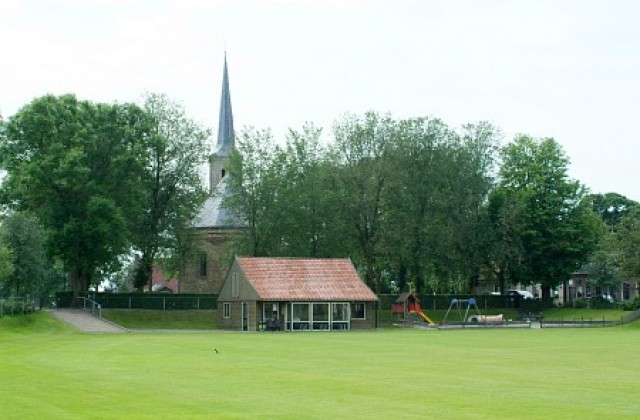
{"points": [[303, 279]]}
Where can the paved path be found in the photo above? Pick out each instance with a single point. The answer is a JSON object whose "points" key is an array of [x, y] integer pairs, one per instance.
{"points": [[86, 322]]}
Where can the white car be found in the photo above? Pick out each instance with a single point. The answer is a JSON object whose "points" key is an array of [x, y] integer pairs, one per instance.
{"points": [[524, 294]]}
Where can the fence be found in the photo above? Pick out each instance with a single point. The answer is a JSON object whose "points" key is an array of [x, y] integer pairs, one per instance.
{"points": [[161, 301], [91, 306], [591, 322], [435, 302], [18, 305]]}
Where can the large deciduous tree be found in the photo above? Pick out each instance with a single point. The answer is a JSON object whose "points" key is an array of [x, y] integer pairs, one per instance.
{"points": [[254, 184], [363, 146], [439, 184], [77, 166], [555, 230], [286, 195], [171, 189]]}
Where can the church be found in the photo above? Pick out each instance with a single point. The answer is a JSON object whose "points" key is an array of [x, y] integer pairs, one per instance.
{"points": [[215, 225]]}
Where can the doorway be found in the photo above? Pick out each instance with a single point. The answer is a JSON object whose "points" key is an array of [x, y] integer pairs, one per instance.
{"points": [[245, 316]]}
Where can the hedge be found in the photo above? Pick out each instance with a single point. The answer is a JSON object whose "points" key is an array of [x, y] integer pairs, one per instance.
{"points": [[156, 301]]}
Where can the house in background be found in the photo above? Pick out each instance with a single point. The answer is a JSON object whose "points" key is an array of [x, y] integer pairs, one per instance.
{"points": [[293, 294], [160, 282]]}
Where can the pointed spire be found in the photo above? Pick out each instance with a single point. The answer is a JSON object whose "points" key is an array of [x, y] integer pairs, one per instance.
{"points": [[225, 122]]}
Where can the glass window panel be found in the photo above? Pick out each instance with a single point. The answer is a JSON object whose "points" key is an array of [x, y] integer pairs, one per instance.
{"points": [[270, 310], [320, 312], [357, 310], [340, 311], [300, 312]]}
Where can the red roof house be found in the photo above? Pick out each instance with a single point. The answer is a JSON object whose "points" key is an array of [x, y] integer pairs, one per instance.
{"points": [[295, 294]]}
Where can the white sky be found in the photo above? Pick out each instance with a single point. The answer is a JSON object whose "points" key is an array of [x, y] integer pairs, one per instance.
{"points": [[563, 69]]}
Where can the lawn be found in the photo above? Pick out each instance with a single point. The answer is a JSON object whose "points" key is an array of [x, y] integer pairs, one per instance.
{"points": [[50, 371]]}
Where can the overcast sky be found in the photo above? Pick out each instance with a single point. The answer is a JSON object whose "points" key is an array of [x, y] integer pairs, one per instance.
{"points": [[563, 69]]}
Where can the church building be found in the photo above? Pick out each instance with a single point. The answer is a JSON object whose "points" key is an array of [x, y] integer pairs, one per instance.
{"points": [[215, 225]]}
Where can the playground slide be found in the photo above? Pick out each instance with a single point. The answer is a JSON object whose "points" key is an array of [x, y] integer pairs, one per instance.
{"points": [[426, 318]]}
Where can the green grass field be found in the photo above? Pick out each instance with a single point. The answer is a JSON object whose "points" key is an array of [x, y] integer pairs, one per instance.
{"points": [[48, 370]]}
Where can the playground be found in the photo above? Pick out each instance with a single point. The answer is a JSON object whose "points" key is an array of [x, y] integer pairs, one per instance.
{"points": [[461, 313], [489, 374]]}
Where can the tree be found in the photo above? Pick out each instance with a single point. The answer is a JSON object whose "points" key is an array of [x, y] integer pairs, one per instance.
{"points": [[254, 185], [362, 177], [6, 267], [556, 229], [628, 235], [309, 225], [287, 195], [612, 207], [506, 258], [26, 240], [609, 263], [77, 167], [604, 266], [171, 188]]}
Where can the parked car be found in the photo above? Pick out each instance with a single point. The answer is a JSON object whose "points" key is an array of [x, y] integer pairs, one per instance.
{"points": [[524, 294], [606, 297]]}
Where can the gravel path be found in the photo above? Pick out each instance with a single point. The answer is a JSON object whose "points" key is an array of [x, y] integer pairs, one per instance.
{"points": [[86, 322]]}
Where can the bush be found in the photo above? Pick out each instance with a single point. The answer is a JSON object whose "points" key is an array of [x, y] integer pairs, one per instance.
{"points": [[631, 305], [533, 305], [155, 301], [16, 307], [599, 302], [579, 304]]}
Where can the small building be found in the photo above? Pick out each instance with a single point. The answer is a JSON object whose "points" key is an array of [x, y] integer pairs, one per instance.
{"points": [[406, 304], [295, 294]]}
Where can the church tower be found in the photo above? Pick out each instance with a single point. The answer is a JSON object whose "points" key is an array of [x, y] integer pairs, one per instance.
{"points": [[216, 225], [218, 161]]}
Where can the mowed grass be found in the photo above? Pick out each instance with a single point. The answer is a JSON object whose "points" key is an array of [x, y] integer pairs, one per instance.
{"points": [[50, 371]]}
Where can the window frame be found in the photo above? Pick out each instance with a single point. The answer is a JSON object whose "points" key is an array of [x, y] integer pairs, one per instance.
{"points": [[354, 312], [235, 285], [202, 265]]}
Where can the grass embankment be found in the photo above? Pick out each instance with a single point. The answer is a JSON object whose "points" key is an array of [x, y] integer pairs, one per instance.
{"points": [[577, 314], [164, 320], [586, 373]]}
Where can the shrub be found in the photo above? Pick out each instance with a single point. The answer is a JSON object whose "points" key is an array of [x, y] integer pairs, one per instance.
{"points": [[599, 302], [631, 305], [580, 304], [532, 305]]}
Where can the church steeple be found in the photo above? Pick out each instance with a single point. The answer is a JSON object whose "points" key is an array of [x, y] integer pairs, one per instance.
{"points": [[225, 122], [226, 143]]}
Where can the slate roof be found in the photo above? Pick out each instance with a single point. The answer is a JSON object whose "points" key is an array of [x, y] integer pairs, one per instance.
{"points": [[302, 279], [214, 215]]}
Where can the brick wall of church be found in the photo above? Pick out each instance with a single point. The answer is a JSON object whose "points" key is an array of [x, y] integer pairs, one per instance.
{"points": [[219, 256]]}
